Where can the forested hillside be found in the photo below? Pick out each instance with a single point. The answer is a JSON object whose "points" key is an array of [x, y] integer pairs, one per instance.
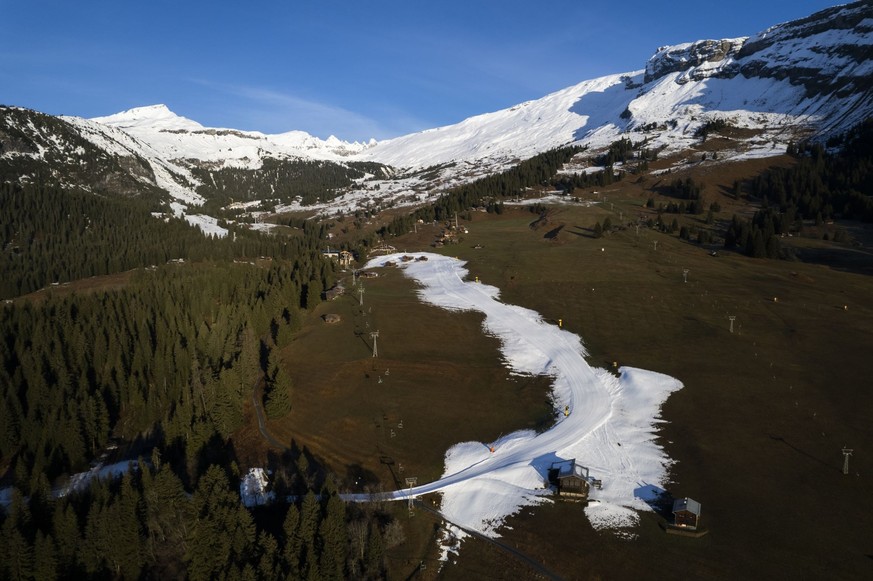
{"points": [[280, 181], [47, 152], [147, 525], [167, 363], [490, 192], [48, 235], [823, 185]]}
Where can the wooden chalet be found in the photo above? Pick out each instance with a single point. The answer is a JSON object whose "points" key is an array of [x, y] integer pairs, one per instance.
{"points": [[686, 513], [344, 257], [570, 479]]}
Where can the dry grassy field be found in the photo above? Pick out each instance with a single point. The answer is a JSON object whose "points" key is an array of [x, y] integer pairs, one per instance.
{"points": [[756, 433]]}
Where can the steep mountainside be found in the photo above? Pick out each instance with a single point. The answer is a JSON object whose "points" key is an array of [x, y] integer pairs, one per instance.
{"points": [[806, 78]]}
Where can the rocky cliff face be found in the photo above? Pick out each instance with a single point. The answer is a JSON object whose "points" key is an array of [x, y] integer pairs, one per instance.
{"points": [[702, 59], [829, 52], [47, 150]]}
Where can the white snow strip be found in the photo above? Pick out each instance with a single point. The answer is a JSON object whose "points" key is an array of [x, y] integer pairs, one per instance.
{"points": [[208, 224], [610, 428]]}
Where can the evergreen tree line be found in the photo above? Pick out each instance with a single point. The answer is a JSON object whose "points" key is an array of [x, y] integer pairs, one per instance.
{"points": [[757, 237], [821, 186], [147, 525], [279, 180], [711, 126], [536, 171], [49, 235], [569, 182], [172, 357], [623, 150], [688, 190]]}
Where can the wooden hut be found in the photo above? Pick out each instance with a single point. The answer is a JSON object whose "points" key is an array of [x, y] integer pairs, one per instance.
{"points": [[570, 479], [686, 513]]}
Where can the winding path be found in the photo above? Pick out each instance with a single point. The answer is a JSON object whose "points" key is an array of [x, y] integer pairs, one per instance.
{"points": [[560, 353]]}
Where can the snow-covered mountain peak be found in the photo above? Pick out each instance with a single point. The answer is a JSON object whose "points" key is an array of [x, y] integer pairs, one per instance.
{"points": [[157, 117], [807, 78], [178, 138]]}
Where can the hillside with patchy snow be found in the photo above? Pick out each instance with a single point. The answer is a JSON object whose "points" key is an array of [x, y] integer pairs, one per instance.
{"points": [[807, 78], [802, 78]]}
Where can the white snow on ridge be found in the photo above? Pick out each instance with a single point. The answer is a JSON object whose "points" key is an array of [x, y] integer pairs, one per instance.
{"points": [[175, 179], [610, 428], [177, 138], [157, 117], [688, 85], [511, 134], [207, 224]]}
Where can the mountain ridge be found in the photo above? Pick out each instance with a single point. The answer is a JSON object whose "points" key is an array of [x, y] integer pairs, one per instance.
{"points": [[796, 80]]}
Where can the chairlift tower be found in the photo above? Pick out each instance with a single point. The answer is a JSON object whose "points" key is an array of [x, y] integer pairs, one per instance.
{"points": [[411, 482], [375, 335], [732, 318], [361, 295], [846, 453], [685, 272]]}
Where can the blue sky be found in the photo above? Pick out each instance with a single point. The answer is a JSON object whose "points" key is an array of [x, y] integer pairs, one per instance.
{"points": [[352, 69]]}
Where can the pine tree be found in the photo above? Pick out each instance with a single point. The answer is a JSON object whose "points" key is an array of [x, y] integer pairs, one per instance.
{"points": [[293, 542], [222, 536], [277, 391], [268, 563], [66, 535], [45, 564], [16, 553], [309, 519], [332, 539], [375, 553]]}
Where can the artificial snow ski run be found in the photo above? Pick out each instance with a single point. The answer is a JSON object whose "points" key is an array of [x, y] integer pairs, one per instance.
{"points": [[610, 427]]}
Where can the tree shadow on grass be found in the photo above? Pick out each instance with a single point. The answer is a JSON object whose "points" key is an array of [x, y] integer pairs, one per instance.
{"points": [[553, 233]]}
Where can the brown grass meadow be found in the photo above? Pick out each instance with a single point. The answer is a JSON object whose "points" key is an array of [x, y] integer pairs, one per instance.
{"points": [[756, 433]]}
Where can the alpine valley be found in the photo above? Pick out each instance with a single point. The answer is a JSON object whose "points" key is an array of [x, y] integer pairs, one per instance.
{"points": [[621, 331]]}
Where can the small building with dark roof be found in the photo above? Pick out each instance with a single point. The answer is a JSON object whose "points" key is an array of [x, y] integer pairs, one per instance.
{"points": [[686, 513], [569, 479]]}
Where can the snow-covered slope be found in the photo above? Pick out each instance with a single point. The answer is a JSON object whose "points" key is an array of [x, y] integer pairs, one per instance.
{"points": [[609, 426], [810, 77], [807, 77], [174, 178], [177, 138]]}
